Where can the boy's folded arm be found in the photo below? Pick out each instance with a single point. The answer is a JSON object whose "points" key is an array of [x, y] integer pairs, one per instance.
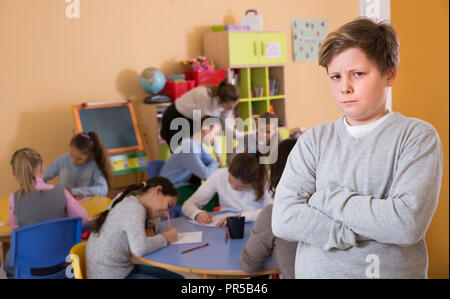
{"points": [[292, 218], [404, 216]]}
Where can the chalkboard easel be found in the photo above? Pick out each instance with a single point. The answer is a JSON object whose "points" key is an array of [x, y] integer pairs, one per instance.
{"points": [[116, 125]]}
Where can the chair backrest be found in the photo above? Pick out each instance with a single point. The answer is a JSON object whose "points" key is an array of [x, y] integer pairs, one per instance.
{"points": [[154, 167], [43, 245], [77, 255]]}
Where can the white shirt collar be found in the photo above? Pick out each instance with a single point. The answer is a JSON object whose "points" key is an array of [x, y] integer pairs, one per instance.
{"points": [[363, 130]]}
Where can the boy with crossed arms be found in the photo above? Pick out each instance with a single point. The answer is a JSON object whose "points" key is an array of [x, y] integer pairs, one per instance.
{"points": [[359, 193]]}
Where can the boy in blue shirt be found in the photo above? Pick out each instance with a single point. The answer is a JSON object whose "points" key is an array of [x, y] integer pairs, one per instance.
{"points": [[190, 163]]}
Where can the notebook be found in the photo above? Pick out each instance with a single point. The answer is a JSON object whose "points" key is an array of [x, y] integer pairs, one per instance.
{"points": [[189, 237]]}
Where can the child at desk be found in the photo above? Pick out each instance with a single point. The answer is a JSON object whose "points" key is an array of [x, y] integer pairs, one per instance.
{"points": [[86, 170], [262, 243], [241, 187], [124, 229], [375, 171], [36, 201], [190, 163]]}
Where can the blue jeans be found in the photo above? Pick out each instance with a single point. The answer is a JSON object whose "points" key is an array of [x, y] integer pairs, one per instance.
{"points": [[150, 272]]}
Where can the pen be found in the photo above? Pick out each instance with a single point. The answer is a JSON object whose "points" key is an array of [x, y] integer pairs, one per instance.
{"points": [[198, 247]]}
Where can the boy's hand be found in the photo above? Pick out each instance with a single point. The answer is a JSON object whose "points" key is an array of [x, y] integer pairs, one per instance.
{"points": [[171, 235], [203, 217]]}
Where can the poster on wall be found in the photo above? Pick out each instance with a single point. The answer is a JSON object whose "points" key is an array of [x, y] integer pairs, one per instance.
{"points": [[308, 35]]}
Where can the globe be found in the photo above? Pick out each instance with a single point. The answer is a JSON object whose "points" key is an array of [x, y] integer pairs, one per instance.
{"points": [[152, 80]]}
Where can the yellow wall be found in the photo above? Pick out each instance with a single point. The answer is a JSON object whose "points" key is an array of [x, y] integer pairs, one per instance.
{"points": [[49, 62], [422, 91]]}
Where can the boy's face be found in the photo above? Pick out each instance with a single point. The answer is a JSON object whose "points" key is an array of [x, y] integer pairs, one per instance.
{"points": [[358, 87]]}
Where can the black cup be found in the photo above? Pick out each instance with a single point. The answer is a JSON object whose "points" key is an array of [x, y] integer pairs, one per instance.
{"points": [[236, 227]]}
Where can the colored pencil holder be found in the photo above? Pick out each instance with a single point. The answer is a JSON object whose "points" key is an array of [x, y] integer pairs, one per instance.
{"points": [[236, 227]]}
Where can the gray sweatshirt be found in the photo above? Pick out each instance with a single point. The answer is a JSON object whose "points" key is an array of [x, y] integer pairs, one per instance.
{"points": [[262, 244], [86, 179], [108, 253], [383, 188]]}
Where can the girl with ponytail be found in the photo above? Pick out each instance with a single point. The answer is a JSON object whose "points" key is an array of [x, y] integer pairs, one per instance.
{"points": [[243, 187], [36, 201], [85, 170], [128, 227]]}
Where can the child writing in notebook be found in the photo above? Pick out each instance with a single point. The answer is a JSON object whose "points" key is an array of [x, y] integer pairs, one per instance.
{"points": [[123, 230], [375, 171], [241, 187], [262, 243], [190, 163], [36, 201], [85, 170]]}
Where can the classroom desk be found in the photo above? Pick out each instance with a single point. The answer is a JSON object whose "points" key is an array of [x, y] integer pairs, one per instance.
{"points": [[218, 260], [93, 206]]}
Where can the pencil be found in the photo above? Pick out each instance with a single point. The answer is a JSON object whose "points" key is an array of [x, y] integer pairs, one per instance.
{"points": [[227, 235], [198, 247], [168, 221]]}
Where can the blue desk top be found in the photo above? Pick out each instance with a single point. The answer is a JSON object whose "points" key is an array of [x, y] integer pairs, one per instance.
{"points": [[217, 256]]}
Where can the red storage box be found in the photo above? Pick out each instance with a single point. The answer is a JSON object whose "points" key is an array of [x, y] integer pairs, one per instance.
{"points": [[177, 89], [205, 77]]}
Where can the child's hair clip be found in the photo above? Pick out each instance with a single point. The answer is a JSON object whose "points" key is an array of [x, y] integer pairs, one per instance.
{"points": [[85, 135]]}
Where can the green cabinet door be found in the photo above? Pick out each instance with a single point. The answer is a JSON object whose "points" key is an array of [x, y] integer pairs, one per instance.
{"points": [[272, 47], [243, 47]]}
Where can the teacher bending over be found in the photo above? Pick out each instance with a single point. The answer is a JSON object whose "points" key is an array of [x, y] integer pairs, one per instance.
{"points": [[210, 99]]}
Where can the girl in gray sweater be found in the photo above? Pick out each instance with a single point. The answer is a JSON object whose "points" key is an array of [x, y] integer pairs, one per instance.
{"points": [[124, 229]]}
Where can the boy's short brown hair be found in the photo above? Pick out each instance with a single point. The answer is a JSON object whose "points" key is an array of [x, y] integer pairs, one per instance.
{"points": [[378, 41]]}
